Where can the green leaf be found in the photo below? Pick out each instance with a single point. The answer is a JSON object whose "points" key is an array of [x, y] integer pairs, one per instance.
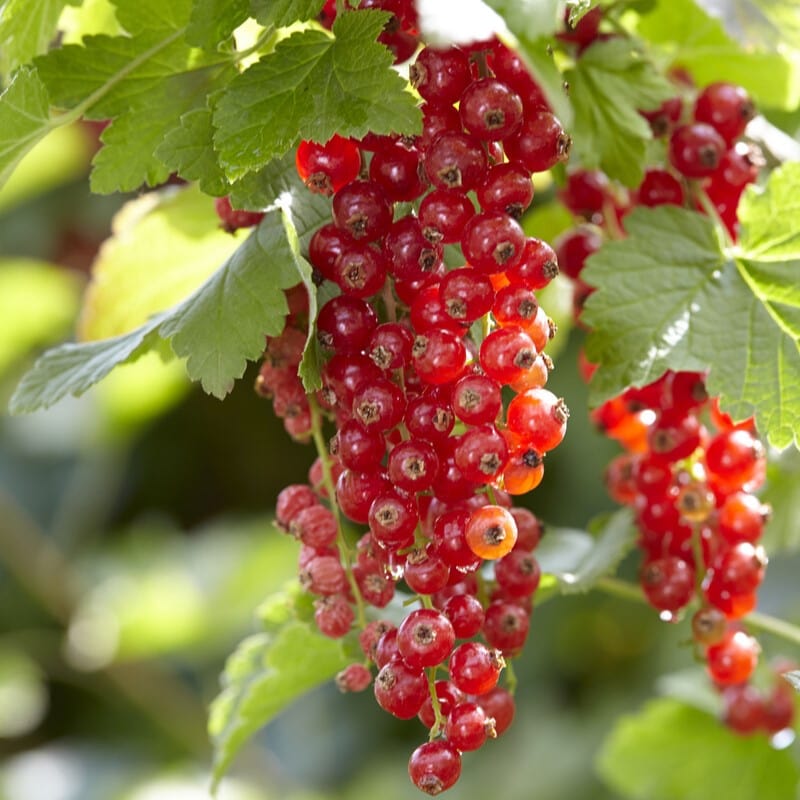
{"points": [[163, 246], [577, 559], [145, 83], [577, 10], [669, 750], [24, 119], [530, 18], [611, 81], [137, 16], [263, 676], [73, 368], [189, 150], [771, 24], [213, 22], [312, 86], [689, 37], [217, 329], [282, 13], [26, 30], [670, 297], [539, 58]]}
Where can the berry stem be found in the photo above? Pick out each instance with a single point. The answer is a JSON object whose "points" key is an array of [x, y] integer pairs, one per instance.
{"points": [[699, 561], [439, 720], [330, 488], [765, 622]]}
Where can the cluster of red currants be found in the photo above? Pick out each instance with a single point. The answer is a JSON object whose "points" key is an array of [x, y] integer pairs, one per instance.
{"points": [[417, 354], [689, 472]]}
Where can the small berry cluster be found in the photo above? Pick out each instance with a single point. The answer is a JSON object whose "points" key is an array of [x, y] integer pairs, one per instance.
{"points": [[416, 358], [277, 379], [688, 471]]}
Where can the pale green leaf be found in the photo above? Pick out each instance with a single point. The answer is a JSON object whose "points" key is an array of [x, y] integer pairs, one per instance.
{"points": [[213, 22], [689, 37], [769, 24], [669, 750], [265, 674], [73, 368], [189, 151], [282, 13], [163, 246], [26, 30], [670, 297], [530, 18], [219, 327], [768, 217], [24, 119], [577, 10], [312, 86], [610, 83], [577, 559]]}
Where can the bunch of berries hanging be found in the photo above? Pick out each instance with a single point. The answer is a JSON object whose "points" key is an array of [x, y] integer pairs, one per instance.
{"points": [[417, 354], [689, 473]]}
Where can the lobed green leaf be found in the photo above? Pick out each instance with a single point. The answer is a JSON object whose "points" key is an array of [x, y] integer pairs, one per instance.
{"points": [[24, 119], [219, 327], [138, 16], [27, 29], [263, 676], [691, 38], [163, 246], [609, 84], [212, 22], [282, 13], [670, 296], [312, 86], [670, 750], [188, 149], [145, 83]]}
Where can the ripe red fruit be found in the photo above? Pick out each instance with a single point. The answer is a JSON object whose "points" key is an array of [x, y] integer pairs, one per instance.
{"points": [[468, 726], [540, 143], [490, 109], [695, 150], [325, 168], [425, 638], [234, 218], [538, 418], [400, 689], [734, 659], [434, 766], [491, 532], [726, 107], [474, 668], [668, 583]]}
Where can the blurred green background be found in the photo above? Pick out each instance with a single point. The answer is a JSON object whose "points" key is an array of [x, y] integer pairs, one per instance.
{"points": [[136, 542]]}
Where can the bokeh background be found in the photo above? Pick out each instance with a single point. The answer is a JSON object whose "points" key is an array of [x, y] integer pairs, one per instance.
{"points": [[136, 543]]}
